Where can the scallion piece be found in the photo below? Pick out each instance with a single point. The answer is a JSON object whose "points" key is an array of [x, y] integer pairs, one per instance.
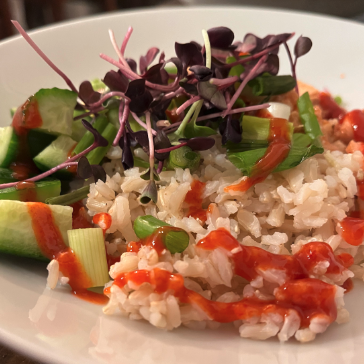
{"points": [[308, 117], [88, 138], [96, 155], [272, 85], [176, 241], [69, 198], [184, 157], [89, 247], [255, 128]]}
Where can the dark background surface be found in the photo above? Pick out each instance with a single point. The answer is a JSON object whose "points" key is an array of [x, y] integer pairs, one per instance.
{"points": [[35, 13]]}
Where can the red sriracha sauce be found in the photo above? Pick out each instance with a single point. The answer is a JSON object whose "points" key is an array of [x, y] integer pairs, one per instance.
{"points": [[330, 108], [309, 297], [194, 200], [27, 192], [80, 219], [356, 119], [351, 230], [52, 245], [277, 151]]}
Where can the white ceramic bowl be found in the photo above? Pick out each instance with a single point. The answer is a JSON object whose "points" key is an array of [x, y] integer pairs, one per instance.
{"points": [[56, 327]]}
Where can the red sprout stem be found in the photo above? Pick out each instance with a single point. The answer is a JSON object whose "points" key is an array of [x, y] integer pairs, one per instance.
{"points": [[233, 111], [43, 56], [133, 76], [126, 40], [106, 97], [188, 103], [151, 145], [117, 50], [123, 117], [293, 64], [248, 77], [226, 82], [141, 122], [166, 150]]}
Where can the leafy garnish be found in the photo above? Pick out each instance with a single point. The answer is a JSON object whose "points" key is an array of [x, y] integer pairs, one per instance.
{"points": [[86, 171]]}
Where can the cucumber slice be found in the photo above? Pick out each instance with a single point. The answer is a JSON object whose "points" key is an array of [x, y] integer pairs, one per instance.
{"points": [[38, 141], [78, 130], [16, 231], [56, 153], [8, 146], [89, 247], [39, 192], [55, 107]]}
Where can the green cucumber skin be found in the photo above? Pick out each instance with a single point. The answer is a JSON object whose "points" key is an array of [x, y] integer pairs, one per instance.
{"points": [[56, 153], [38, 141], [6, 175], [16, 232], [10, 145], [43, 190], [56, 108]]}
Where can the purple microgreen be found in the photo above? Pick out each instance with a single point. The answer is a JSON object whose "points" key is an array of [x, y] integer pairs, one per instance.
{"points": [[141, 137], [162, 57], [187, 104], [230, 130], [157, 74], [123, 116], [169, 149], [247, 78], [43, 56], [132, 64], [116, 81], [233, 111], [220, 37], [127, 158], [202, 73], [211, 93], [98, 173], [149, 193], [88, 94], [160, 167], [86, 171], [140, 97], [178, 63], [189, 54], [189, 88], [161, 141], [303, 46], [126, 40], [107, 96], [141, 122], [146, 60], [99, 141], [272, 64], [199, 143]]}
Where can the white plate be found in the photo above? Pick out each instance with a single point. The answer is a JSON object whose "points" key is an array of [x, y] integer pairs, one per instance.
{"points": [[66, 330]]}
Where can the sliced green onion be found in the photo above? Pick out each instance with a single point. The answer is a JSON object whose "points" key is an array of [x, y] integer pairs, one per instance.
{"points": [[96, 155], [175, 241], [236, 70], [272, 85], [302, 148], [338, 100], [255, 128], [69, 198], [245, 144], [308, 117], [89, 247], [88, 138], [184, 157]]}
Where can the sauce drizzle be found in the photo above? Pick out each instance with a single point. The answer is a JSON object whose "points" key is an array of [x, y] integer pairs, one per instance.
{"points": [[277, 151], [194, 200]]}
